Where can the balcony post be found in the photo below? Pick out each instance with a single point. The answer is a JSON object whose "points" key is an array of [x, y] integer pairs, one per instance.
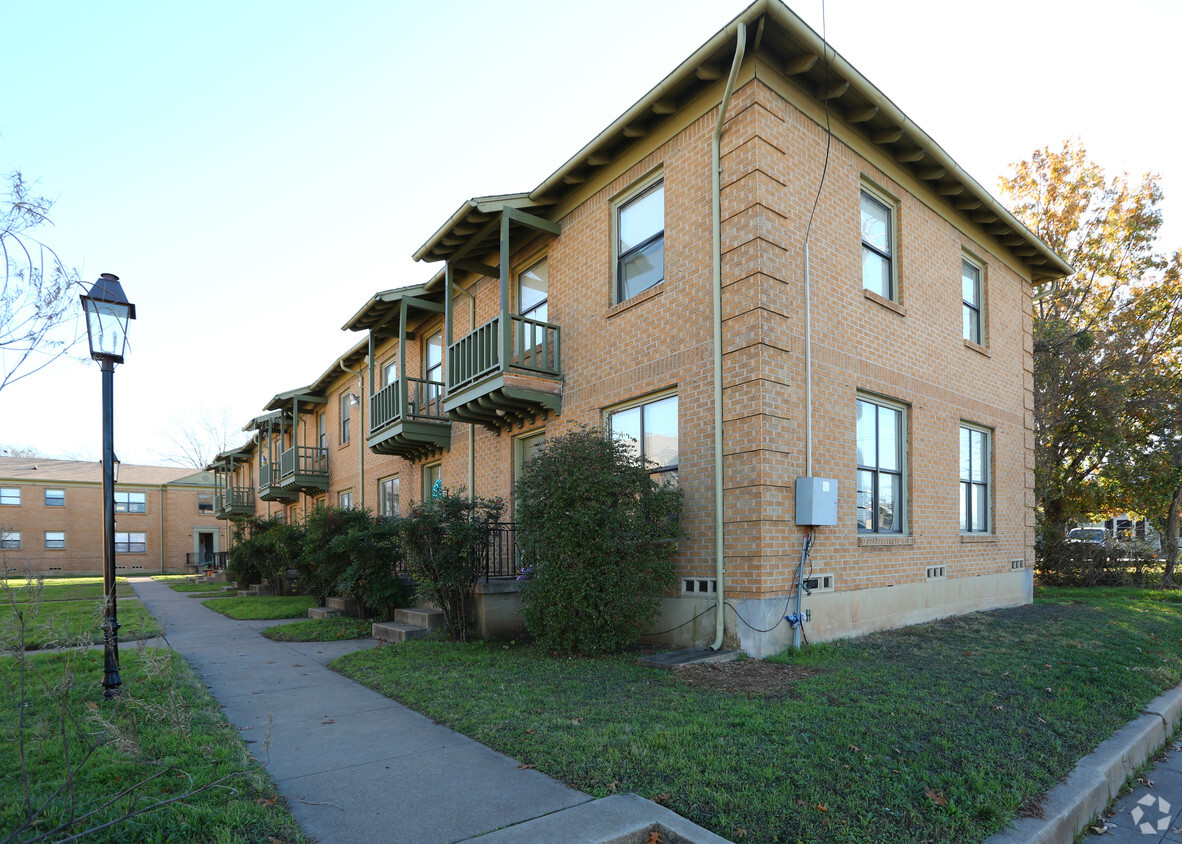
{"points": [[506, 326], [448, 281], [372, 391]]}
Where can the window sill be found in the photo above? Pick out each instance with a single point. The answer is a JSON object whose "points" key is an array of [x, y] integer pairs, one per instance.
{"points": [[881, 541], [885, 302], [978, 537], [642, 296], [978, 348]]}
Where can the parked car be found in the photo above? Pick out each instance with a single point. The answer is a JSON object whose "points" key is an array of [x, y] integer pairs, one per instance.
{"points": [[1093, 536]]}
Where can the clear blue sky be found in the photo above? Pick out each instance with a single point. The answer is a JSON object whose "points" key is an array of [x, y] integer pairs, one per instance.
{"points": [[253, 171]]}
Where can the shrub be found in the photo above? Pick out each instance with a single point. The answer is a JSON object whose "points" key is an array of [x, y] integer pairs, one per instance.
{"points": [[1113, 563], [272, 547], [444, 538], [371, 549], [597, 535], [322, 564]]}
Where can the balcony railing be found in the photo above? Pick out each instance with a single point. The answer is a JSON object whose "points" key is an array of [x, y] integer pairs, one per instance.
{"points": [[303, 460], [533, 347], [234, 496], [406, 400], [266, 475]]}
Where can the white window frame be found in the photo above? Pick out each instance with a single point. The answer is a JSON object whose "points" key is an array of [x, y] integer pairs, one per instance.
{"points": [[55, 533], [208, 510], [57, 500], [877, 195], [10, 540], [129, 542], [965, 485], [10, 496], [131, 502], [903, 410], [633, 194], [967, 260], [346, 417], [345, 499]]}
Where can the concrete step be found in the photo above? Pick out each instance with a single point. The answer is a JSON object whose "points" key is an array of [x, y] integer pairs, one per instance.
{"points": [[393, 631], [346, 606], [263, 590], [230, 588], [323, 612], [420, 617], [247, 593]]}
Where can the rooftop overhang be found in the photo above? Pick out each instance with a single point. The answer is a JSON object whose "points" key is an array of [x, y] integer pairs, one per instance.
{"points": [[781, 40], [226, 461], [265, 421], [380, 314], [318, 390], [284, 402]]}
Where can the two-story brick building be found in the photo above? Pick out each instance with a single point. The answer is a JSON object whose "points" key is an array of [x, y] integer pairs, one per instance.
{"points": [[762, 271], [51, 517]]}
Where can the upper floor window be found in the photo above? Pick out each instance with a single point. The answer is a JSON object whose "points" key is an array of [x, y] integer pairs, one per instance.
{"points": [[10, 539], [321, 431], [532, 288], [878, 245], [204, 502], [433, 371], [346, 415], [55, 498], [10, 495], [880, 466], [131, 502], [640, 242], [389, 372], [388, 496], [653, 427], [970, 293], [974, 479], [55, 539]]}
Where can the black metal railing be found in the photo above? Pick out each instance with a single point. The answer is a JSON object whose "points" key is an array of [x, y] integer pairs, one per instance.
{"points": [[500, 555], [207, 559]]}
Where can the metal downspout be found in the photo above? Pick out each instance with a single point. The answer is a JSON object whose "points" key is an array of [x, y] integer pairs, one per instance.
{"points": [[716, 198], [361, 430]]}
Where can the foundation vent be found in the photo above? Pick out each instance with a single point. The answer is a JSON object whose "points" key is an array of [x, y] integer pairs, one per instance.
{"points": [[820, 583], [137, 567], [1017, 564], [699, 586], [937, 572], [55, 568]]}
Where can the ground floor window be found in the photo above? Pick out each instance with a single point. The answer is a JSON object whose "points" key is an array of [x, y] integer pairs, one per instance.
{"points": [[345, 499], [651, 427], [974, 479], [55, 539], [388, 496], [432, 481], [880, 438], [10, 539], [131, 542]]}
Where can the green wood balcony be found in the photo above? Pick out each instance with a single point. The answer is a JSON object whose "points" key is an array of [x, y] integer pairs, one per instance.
{"points": [[234, 502], [269, 488], [505, 372], [406, 418], [304, 469]]}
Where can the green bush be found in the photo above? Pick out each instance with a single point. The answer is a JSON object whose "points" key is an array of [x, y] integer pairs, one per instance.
{"points": [[353, 554], [1113, 563], [264, 556], [597, 537], [444, 538]]}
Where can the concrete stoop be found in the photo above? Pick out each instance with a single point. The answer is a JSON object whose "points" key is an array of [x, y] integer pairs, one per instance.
{"points": [[412, 623], [323, 612], [344, 606], [619, 819], [256, 590]]}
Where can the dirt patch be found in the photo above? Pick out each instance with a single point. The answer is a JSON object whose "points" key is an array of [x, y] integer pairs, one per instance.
{"points": [[744, 677]]}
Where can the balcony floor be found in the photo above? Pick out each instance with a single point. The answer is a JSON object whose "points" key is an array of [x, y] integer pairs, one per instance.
{"points": [[505, 399]]}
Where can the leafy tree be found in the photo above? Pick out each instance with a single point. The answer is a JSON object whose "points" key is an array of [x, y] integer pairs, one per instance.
{"points": [[272, 547], [38, 301], [597, 535], [1101, 334], [352, 553], [445, 537]]}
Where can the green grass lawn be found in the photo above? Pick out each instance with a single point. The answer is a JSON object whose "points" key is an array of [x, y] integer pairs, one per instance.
{"points": [[51, 624], [935, 733], [25, 589], [165, 726], [262, 609], [321, 630]]}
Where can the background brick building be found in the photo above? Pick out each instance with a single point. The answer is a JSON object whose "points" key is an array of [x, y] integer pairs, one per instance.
{"points": [[51, 517]]}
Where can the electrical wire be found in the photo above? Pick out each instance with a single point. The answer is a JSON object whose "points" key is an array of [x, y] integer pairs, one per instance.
{"points": [[683, 624], [828, 125]]}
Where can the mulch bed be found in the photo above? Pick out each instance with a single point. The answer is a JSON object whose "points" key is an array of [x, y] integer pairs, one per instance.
{"points": [[744, 677]]}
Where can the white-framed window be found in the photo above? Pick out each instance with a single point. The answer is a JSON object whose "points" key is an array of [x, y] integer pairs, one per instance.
{"points": [[55, 539], [975, 445], [131, 502], [651, 426], [131, 542], [878, 243], [205, 502], [432, 480], [10, 540], [322, 432], [433, 371], [10, 495], [55, 498], [972, 300], [881, 496], [389, 372], [345, 499], [640, 240], [533, 284], [346, 416], [388, 496]]}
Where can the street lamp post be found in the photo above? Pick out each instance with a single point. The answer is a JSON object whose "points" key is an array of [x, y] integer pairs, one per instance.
{"points": [[107, 313]]}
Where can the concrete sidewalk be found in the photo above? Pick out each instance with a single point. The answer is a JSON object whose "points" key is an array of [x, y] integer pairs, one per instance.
{"points": [[353, 766], [1152, 813]]}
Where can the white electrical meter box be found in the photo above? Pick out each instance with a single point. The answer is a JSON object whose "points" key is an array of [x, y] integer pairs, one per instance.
{"points": [[816, 501]]}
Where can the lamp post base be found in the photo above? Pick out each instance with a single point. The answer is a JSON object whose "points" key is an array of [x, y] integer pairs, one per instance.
{"points": [[111, 682]]}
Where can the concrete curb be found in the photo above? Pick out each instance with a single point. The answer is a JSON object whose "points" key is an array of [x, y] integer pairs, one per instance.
{"points": [[1097, 779]]}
